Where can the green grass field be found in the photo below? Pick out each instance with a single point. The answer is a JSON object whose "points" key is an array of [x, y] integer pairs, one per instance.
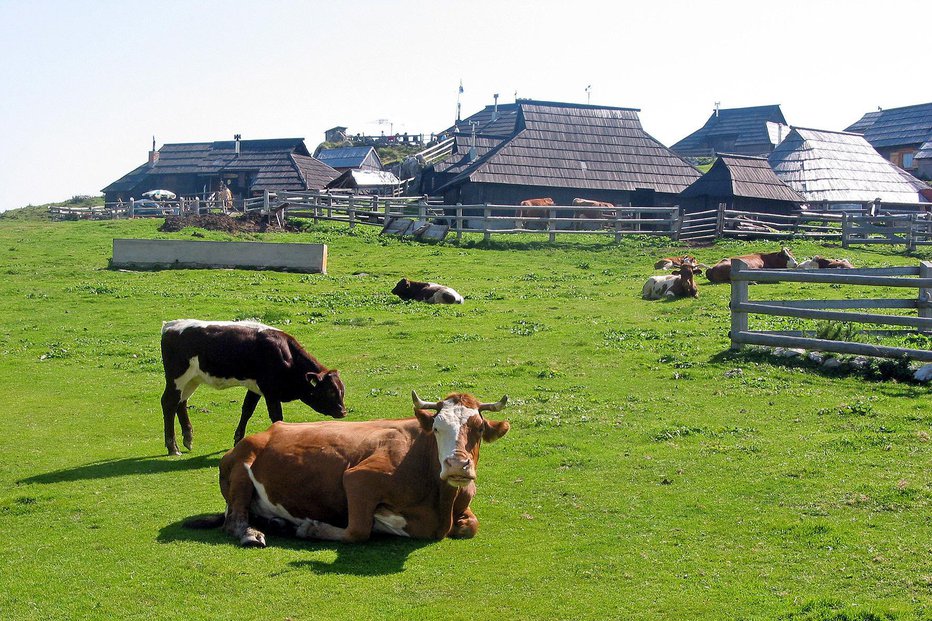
{"points": [[648, 474]]}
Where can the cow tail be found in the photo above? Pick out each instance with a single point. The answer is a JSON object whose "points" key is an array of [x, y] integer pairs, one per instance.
{"points": [[205, 522]]}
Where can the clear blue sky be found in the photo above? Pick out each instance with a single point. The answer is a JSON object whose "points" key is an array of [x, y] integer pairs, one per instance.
{"points": [[85, 85]]}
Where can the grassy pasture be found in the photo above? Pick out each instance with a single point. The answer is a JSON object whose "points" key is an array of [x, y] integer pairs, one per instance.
{"points": [[648, 474]]}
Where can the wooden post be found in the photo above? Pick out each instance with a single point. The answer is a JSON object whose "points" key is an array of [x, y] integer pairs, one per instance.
{"points": [[265, 203], [551, 214], [911, 233], [720, 220], [459, 222], [351, 211], [676, 225], [618, 213], [845, 229], [739, 295], [132, 207], [486, 212], [925, 295]]}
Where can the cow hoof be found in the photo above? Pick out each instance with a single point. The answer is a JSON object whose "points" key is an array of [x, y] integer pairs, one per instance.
{"points": [[252, 539], [173, 451], [188, 442]]}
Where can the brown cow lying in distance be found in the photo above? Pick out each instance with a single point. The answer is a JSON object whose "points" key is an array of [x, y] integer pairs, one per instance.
{"points": [[721, 271], [343, 481], [821, 263], [429, 292], [667, 263]]}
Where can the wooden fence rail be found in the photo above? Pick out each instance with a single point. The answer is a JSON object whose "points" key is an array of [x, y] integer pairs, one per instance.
{"points": [[900, 277]]}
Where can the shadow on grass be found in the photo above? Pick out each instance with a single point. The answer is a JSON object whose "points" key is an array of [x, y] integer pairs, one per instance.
{"points": [[380, 556], [126, 467]]}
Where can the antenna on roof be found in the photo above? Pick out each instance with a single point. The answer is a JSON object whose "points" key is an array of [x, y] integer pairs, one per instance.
{"points": [[495, 109], [458, 105], [717, 104], [588, 94]]}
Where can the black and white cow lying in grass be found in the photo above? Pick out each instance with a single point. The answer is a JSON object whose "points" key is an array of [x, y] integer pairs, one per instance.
{"points": [[266, 361], [429, 292], [676, 285]]}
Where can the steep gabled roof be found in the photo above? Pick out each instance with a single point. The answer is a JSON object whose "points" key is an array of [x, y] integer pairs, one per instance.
{"points": [[742, 176], [283, 164], [900, 126], [863, 124], [488, 121], [925, 151], [837, 166], [748, 127], [346, 157], [579, 146]]}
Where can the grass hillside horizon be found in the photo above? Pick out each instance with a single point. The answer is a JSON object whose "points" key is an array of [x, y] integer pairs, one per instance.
{"points": [[649, 473]]}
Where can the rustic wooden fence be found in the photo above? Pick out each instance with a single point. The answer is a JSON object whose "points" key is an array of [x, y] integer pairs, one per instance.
{"points": [[834, 310], [909, 229], [712, 224], [486, 219]]}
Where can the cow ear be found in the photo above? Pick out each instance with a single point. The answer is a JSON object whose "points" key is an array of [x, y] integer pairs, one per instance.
{"points": [[426, 418], [494, 430], [315, 378]]}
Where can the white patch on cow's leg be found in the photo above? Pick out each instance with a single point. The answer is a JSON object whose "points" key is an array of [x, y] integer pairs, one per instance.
{"points": [[262, 506], [312, 529], [385, 521]]}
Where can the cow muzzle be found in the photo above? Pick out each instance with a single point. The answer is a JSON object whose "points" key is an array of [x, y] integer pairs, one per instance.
{"points": [[458, 471]]}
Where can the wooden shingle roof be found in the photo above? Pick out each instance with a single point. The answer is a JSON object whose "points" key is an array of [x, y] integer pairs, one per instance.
{"points": [[838, 166], [895, 127], [747, 127], [742, 176], [579, 146], [283, 164]]}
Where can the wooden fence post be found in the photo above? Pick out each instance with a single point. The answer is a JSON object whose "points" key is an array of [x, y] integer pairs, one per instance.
{"points": [[459, 222], [486, 212], [351, 211], [676, 226], [845, 229], [720, 220], [911, 233], [618, 214], [739, 295], [924, 303], [132, 207], [551, 214]]}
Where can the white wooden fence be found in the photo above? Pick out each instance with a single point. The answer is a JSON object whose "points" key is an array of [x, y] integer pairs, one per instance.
{"points": [[834, 310], [909, 229]]}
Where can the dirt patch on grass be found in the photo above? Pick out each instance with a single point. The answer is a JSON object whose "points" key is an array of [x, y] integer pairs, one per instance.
{"points": [[246, 223]]}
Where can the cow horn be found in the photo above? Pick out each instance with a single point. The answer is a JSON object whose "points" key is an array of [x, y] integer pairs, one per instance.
{"points": [[493, 407], [423, 405]]}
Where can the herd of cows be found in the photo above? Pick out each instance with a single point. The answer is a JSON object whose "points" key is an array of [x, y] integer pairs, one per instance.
{"points": [[681, 283], [413, 477]]}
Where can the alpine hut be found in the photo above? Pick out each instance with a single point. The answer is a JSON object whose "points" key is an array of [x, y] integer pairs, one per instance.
{"points": [[899, 134], [246, 167], [839, 168], [743, 183], [754, 130], [562, 151]]}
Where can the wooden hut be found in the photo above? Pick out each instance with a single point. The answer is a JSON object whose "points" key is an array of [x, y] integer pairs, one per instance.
{"points": [[350, 158], [898, 134], [562, 151], [754, 130], [744, 183], [247, 167], [840, 168]]}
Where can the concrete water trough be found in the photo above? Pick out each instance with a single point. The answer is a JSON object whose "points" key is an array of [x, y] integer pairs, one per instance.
{"points": [[175, 253]]}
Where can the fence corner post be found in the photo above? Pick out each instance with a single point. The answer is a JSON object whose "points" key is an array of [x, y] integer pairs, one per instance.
{"points": [[739, 295], [924, 303]]}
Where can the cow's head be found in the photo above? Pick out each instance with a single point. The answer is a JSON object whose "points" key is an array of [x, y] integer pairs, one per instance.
{"points": [[324, 392], [402, 288], [459, 427], [790, 260], [686, 273]]}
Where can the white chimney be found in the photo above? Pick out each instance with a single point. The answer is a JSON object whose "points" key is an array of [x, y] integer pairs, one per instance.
{"points": [[236, 137]]}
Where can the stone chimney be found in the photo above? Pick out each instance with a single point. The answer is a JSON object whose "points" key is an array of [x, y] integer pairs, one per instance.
{"points": [[153, 154]]}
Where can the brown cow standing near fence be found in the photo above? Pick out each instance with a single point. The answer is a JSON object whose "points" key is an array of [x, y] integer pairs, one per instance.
{"points": [[721, 271], [537, 209]]}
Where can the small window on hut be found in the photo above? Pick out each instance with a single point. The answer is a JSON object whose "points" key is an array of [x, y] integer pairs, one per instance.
{"points": [[907, 160]]}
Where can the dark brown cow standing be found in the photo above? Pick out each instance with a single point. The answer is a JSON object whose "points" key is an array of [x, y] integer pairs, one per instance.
{"points": [[223, 354], [721, 271], [342, 481]]}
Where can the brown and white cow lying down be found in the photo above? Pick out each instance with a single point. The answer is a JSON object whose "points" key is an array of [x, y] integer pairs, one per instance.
{"points": [[721, 271], [222, 354], [343, 481], [668, 263], [429, 292], [821, 263], [677, 285]]}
